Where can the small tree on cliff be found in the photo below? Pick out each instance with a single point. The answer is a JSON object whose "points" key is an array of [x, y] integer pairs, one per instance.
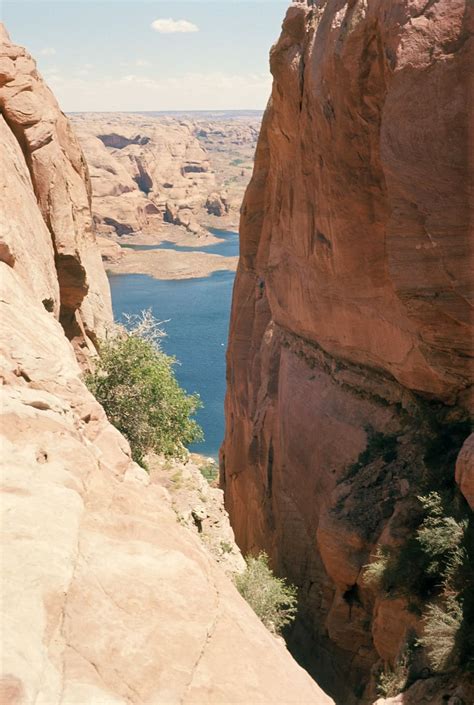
{"points": [[135, 383]]}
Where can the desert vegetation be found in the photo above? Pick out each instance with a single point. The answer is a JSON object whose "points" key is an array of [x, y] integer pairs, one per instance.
{"points": [[434, 569], [210, 472], [272, 599], [392, 681], [134, 381]]}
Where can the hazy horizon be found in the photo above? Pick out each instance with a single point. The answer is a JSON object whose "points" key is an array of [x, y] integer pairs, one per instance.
{"points": [[123, 56], [213, 111]]}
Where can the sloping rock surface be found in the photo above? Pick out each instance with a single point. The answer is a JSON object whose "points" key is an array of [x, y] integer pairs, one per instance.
{"points": [[106, 597]]}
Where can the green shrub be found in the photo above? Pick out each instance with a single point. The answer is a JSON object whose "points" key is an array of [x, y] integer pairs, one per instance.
{"points": [[272, 599], [376, 572], [210, 472], [440, 536], [134, 381], [425, 560], [436, 565], [392, 682], [442, 623]]}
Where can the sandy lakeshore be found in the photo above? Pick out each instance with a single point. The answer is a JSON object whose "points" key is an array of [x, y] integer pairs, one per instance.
{"points": [[170, 264]]}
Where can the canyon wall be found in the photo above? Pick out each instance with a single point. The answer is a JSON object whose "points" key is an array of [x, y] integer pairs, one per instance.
{"points": [[106, 598], [350, 352]]}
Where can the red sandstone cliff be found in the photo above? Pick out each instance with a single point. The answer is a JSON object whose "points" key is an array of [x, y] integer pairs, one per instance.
{"points": [[351, 317]]}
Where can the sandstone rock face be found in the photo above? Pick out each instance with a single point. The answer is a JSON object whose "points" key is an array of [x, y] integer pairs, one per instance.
{"points": [[351, 336], [144, 170], [43, 162], [230, 141], [106, 598]]}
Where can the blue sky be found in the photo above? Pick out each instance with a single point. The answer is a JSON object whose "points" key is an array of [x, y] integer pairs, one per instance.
{"points": [[106, 55]]}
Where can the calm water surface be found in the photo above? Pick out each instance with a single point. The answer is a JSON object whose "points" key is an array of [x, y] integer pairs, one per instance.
{"points": [[199, 311]]}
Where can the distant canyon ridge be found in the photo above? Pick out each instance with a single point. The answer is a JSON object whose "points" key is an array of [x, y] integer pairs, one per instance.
{"points": [[149, 170]]}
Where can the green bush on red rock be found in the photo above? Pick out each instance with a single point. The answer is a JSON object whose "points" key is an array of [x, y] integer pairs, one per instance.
{"points": [[435, 567]]}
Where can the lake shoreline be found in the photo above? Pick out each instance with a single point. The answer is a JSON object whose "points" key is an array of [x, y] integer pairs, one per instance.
{"points": [[176, 258], [171, 264]]}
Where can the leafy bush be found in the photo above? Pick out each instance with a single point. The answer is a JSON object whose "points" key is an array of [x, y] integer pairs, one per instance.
{"points": [[272, 599], [375, 573], [422, 563], [134, 381]]}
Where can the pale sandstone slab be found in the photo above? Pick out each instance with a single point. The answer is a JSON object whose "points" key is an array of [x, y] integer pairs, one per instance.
{"points": [[106, 598]]}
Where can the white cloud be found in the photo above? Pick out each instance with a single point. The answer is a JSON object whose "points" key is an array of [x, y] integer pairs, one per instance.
{"points": [[48, 51], [142, 62], [171, 26]]}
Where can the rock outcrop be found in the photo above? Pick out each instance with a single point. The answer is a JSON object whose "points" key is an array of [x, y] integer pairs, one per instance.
{"points": [[106, 598], [350, 352], [47, 231], [217, 204]]}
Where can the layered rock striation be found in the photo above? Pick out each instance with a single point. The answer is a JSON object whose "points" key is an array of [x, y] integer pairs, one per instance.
{"points": [[350, 352], [106, 598]]}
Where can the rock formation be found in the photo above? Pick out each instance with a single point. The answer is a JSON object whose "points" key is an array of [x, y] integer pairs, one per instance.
{"points": [[144, 170], [106, 598], [230, 141], [217, 204], [349, 360], [46, 218]]}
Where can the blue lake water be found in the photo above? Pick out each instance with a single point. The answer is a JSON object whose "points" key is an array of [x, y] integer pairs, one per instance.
{"points": [[228, 247], [199, 311]]}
